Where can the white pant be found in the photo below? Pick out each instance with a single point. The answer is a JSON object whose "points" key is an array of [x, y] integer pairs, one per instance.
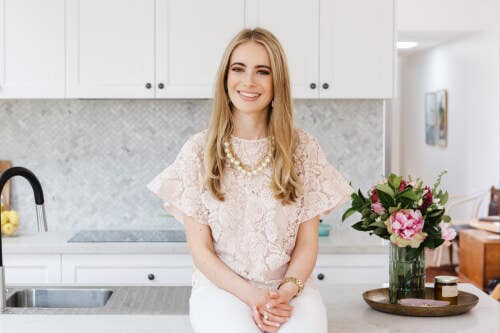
{"points": [[214, 310]]}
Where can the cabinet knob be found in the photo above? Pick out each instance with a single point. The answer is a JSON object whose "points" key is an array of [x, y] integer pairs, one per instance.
{"points": [[151, 277], [325, 85], [321, 276], [148, 85], [161, 86], [313, 85]]}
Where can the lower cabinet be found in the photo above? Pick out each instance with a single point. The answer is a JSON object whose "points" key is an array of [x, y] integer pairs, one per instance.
{"points": [[351, 268], [167, 269], [32, 268], [131, 269]]}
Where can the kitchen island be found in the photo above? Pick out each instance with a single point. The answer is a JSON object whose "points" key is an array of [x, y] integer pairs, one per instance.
{"points": [[347, 312]]}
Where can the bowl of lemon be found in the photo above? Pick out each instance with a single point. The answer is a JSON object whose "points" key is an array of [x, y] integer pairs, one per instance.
{"points": [[10, 221]]}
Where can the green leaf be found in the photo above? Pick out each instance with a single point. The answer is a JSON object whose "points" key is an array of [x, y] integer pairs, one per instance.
{"points": [[408, 194], [394, 181], [360, 226], [348, 213], [379, 224], [386, 189], [446, 218], [386, 199]]}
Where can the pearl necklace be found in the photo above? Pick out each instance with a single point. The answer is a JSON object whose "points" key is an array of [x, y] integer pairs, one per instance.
{"points": [[245, 169]]}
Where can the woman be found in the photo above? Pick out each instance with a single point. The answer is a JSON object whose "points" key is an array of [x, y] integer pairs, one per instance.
{"points": [[250, 191]]}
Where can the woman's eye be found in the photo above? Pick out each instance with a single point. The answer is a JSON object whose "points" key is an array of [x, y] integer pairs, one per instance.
{"points": [[237, 69], [263, 72]]}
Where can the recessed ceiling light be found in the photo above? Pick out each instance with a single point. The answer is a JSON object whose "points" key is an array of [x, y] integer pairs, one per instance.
{"points": [[407, 45]]}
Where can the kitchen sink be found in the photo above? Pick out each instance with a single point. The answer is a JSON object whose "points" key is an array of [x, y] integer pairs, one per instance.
{"points": [[59, 298]]}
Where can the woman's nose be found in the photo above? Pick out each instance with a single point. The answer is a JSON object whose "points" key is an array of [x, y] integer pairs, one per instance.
{"points": [[249, 79]]}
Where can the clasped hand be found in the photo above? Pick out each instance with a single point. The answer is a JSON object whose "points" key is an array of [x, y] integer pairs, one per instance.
{"points": [[271, 309]]}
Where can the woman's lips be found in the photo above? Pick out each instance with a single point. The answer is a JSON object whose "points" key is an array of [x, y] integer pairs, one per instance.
{"points": [[248, 96]]}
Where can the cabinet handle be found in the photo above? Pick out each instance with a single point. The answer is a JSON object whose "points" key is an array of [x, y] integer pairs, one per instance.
{"points": [[325, 85], [313, 85], [148, 85], [151, 277], [161, 86], [321, 276]]}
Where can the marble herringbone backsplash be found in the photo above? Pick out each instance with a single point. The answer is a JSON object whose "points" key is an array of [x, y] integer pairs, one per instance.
{"points": [[95, 157]]}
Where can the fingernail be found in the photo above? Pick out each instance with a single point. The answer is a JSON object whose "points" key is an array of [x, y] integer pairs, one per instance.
{"points": [[277, 324], [268, 306], [254, 307]]}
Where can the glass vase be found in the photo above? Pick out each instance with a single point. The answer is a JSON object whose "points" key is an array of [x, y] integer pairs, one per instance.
{"points": [[406, 277]]}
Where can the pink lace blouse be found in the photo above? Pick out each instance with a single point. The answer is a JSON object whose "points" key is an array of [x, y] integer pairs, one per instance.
{"points": [[253, 233]]}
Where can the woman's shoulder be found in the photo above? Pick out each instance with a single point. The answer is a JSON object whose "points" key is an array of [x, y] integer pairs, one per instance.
{"points": [[195, 144], [304, 140]]}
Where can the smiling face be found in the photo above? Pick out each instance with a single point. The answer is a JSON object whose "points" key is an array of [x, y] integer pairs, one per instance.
{"points": [[249, 78]]}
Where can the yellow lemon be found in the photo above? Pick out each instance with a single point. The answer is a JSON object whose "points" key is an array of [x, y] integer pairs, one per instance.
{"points": [[13, 217], [5, 217], [8, 229]]}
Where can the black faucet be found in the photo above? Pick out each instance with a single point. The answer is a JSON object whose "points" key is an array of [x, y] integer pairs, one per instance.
{"points": [[40, 215]]}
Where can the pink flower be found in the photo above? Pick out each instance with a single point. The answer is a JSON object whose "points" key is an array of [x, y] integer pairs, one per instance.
{"points": [[378, 208], [405, 227], [447, 232]]}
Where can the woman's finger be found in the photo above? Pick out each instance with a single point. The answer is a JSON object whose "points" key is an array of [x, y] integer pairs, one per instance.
{"points": [[262, 326], [272, 319], [277, 311]]}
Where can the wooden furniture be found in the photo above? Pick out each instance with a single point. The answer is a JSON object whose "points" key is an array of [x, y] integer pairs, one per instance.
{"points": [[4, 165], [479, 256]]}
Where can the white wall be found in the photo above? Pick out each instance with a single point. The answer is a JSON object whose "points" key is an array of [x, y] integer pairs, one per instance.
{"points": [[469, 70]]}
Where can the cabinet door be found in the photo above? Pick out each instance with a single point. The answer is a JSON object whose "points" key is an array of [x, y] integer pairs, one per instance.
{"points": [[295, 23], [110, 48], [357, 48], [191, 38], [351, 268], [135, 269], [32, 49], [32, 268]]}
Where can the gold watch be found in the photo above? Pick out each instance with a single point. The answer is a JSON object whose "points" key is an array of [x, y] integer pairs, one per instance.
{"points": [[297, 282]]}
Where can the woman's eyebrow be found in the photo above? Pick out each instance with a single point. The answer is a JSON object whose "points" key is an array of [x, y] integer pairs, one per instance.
{"points": [[243, 65]]}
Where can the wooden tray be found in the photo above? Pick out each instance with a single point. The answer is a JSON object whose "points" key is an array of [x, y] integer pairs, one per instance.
{"points": [[378, 299]]}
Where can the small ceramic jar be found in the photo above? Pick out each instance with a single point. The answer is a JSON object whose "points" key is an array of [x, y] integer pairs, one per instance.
{"points": [[446, 288]]}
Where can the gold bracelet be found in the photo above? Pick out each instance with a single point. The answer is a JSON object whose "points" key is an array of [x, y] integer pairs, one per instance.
{"points": [[297, 282]]}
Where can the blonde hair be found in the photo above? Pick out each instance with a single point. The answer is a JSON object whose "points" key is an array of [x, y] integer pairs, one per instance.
{"points": [[280, 120]]}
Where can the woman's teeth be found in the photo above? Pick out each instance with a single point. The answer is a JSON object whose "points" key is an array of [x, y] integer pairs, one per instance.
{"points": [[248, 96]]}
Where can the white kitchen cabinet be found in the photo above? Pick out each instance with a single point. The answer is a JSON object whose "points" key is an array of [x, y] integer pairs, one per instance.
{"points": [[32, 268], [32, 49], [357, 48], [351, 268], [148, 48], [110, 48], [191, 38], [131, 269], [295, 24], [335, 48]]}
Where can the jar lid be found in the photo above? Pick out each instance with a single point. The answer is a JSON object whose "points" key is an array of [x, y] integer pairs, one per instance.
{"points": [[446, 279]]}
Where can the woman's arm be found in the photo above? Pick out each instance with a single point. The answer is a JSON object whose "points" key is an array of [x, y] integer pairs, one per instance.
{"points": [[200, 244], [304, 256]]}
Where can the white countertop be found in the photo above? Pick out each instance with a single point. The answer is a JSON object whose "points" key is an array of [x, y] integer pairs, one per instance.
{"points": [[56, 243], [347, 312]]}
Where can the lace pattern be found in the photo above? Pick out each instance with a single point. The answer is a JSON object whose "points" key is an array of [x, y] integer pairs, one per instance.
{"points": [[253, 233]]}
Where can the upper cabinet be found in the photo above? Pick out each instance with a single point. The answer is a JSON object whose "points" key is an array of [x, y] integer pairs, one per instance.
{"points": [[335, 48], [357, 48], [32, 49], [172, 48], [147, 48], [191, 37], [110, 48], [295, 24]]}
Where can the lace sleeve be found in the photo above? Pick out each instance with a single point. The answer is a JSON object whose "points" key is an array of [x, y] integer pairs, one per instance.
{"points": [[180, 185], [324, 188]]}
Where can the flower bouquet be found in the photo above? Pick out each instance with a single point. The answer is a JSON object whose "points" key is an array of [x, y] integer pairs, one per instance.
{"points": [[410, 215]]}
